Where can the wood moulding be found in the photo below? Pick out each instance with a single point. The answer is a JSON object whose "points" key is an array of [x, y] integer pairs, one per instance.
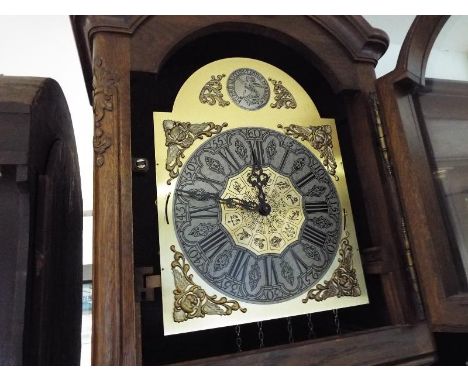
{"points": [[349, 37], [384, 346]]}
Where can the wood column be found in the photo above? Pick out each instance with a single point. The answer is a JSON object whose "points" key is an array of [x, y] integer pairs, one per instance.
{"points": [[114, 338]]}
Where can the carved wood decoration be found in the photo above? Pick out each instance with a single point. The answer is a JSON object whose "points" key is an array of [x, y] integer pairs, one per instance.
{"points": [[144, 44], [114, 337], [104, 92]]}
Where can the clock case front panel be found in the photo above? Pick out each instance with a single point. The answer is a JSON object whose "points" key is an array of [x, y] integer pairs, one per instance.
{"points": [[135, 64], [144, 101]]}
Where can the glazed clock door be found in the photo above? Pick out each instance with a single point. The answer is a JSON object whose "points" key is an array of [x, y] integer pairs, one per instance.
{"points": [[254, 216]]}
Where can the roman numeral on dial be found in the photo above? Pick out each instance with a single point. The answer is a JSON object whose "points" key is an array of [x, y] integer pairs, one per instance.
{"points": [[314, 236], [205, 212], [271, 277], [305, 179], [213, 243], [257, 150], [239, 266], [315, 207], [300, 264], [230, 159]]}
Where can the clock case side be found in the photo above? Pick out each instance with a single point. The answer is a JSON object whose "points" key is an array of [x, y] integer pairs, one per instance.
{"points": [[401, 94], [346, 68]]}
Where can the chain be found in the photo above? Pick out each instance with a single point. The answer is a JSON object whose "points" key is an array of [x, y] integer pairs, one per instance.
{"points": [[238, 339], [310, 325], [337, 321], [260, 334], [290, 331]]}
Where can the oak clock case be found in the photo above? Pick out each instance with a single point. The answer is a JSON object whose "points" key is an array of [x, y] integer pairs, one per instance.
{"points": [[254, 217]]}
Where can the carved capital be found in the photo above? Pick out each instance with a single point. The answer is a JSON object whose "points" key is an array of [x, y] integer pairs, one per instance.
{"points": [[190, 300], [104, 95]]}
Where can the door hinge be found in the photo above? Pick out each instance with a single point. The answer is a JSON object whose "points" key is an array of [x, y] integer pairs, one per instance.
{"points": [[381, 139], [408, 254]]}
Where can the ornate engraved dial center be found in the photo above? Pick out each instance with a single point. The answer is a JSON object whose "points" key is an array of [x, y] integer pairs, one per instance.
{"points": [[261, 234]]}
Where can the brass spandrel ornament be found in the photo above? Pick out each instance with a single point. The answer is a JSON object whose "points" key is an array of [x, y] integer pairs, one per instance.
{"points": [[191, 301], [283, 97], [211, 93], [343, 281], [180, 136], [320, 138], [252, 202]]}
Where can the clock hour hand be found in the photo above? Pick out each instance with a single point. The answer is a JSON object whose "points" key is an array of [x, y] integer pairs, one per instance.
{"points": [[236, 202], [258, 179]]}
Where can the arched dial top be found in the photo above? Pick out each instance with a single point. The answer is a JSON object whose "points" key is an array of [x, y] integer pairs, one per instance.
{"points": [[246, 251]]}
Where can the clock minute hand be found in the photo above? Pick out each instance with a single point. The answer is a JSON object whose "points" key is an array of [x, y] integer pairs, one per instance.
{"points": [[202, 195], [199, 194]]}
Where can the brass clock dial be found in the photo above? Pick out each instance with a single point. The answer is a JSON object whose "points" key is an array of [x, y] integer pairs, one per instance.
{"points": [[250, 255], [254, 216]]}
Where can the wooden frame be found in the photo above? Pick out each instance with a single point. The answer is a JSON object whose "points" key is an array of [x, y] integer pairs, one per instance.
{"points": [[111, 47], [445, 303]]}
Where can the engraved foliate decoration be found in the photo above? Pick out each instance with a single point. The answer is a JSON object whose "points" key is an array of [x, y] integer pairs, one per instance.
{"points": [[190, 300], [180, 136], [211, 92], [248, 89], [320, 138], [243, 254]]}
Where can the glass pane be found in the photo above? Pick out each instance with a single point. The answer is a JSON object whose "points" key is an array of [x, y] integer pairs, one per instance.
{"points": [[452, 176], [444, 110]]}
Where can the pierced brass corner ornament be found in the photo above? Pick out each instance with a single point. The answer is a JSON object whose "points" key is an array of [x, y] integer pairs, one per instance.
{"points": [[283, 96], [190, 300], [180, 136], [211, 92], [320, 138], [104, 91], [343, 281]]}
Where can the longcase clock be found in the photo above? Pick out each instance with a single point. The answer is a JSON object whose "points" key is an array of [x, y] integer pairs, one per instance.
{"points": [[257, 120]]}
